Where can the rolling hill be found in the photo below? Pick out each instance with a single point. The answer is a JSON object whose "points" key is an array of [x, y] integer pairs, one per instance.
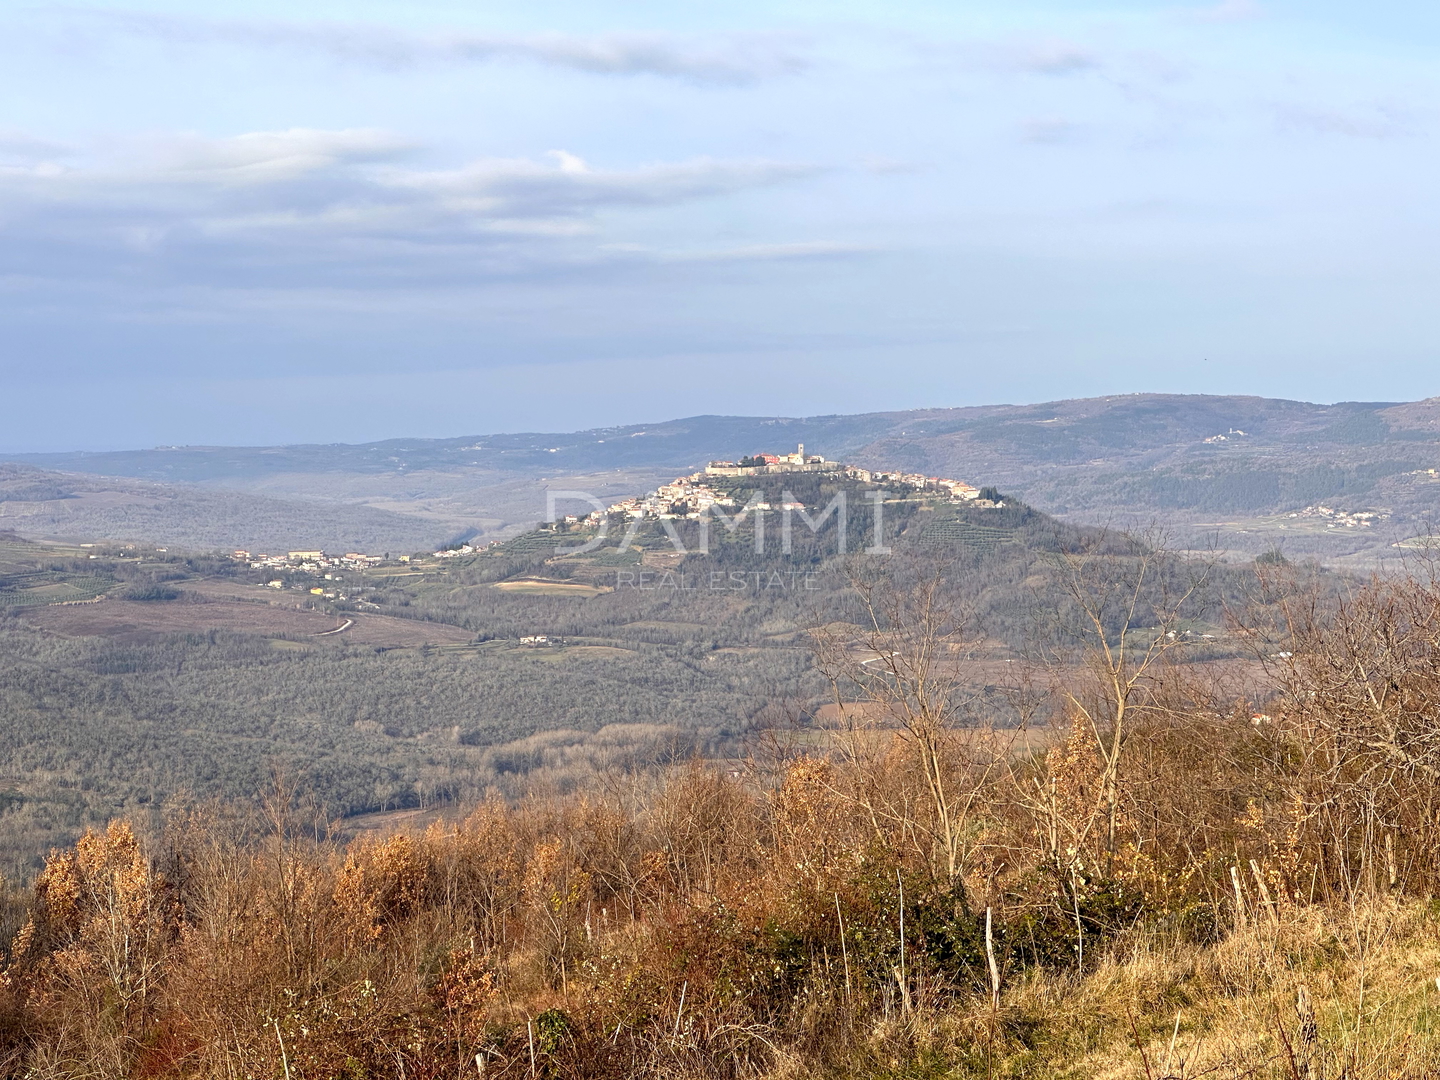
{"points": [[1227, 465]]}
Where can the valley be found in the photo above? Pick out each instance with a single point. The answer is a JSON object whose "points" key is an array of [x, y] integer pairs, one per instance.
{"points": [[564, 654]]}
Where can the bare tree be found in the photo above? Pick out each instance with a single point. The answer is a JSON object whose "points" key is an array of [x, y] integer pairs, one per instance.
{"points": [[905, 667], [1126, 599], [1360, 680]]}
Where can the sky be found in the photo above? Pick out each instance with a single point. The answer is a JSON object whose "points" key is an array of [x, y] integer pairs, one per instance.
{"points": [[263, 222]]}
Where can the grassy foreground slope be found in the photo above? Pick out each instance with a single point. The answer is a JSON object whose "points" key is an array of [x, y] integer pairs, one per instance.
{"points": [[710, 930]]}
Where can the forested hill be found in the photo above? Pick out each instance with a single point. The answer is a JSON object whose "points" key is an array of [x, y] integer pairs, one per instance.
{"points": [[134, 680]]}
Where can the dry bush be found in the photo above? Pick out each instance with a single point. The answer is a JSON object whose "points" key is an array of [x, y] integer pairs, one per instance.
{"points": [[1361, 713], [914, 894]]}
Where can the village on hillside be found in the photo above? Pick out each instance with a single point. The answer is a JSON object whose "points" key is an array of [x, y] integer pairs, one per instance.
{"points": [[684, 497], [310, 561], [690, 496]]}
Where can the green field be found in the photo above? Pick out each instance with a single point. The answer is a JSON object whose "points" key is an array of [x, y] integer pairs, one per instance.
{"points": [[942, 533], [50, 587]]}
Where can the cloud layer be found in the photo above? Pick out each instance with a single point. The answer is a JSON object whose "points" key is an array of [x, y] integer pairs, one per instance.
{"points": [[725, 59], [967, 201], [311, 207]]}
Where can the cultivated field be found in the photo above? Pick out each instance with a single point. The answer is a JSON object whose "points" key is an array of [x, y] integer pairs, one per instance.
{"points": [[549, 588], [234, 608]]}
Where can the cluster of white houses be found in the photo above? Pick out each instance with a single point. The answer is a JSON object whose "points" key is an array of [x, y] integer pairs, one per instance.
{"points": [[1335, 518], [691, 496], [314, 563], [311, 561], [463, 549]]}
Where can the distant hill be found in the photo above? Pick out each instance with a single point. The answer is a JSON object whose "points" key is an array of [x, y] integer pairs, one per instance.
{"points": [[1195, 461], [70, 506]]}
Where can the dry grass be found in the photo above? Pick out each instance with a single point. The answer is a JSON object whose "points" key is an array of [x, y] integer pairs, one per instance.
{"points": [[1158, 1009]]}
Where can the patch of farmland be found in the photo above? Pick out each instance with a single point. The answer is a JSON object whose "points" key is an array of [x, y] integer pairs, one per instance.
{"points": [[45, 587], [550, 588], [963, 533], [137, 621]]}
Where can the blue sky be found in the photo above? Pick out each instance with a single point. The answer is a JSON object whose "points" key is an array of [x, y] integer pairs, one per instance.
{"points": [[266, 222]]}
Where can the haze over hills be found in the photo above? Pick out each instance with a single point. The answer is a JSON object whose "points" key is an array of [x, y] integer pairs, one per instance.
{"points": [[81, 507], [1236, 465]]}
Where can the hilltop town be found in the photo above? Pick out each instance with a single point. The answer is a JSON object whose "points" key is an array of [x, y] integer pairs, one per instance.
{"points": [[690, 496], [684, 497]]}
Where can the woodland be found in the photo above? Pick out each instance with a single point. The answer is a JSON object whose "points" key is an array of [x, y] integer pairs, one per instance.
{"points": [[1155, 864]]}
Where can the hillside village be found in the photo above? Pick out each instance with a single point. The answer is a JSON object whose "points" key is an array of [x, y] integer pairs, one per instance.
{"points": [[1334, 519], [693, 495], [310, 561], [684, 497]]}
